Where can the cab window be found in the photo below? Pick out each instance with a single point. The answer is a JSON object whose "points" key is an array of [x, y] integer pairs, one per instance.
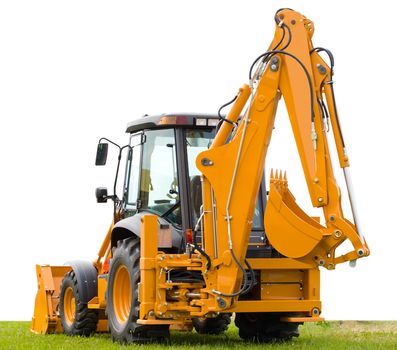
{"points": [[159, 191]]}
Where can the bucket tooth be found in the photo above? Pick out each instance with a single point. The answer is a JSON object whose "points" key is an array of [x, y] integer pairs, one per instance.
{"points": [[271, 175], [285, 181]]}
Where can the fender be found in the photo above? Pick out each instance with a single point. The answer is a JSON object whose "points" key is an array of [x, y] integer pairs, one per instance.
{"points": [[131, 226], [87, 279], [127, 227]]}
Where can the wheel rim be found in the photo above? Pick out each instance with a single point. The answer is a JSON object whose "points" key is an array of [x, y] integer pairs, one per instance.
{"points": [[122, 294], [69, 306]]}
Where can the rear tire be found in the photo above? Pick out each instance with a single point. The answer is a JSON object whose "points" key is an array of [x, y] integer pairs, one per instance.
{"points": [[122, 297], [265, 327], [76, 317], [215, 325]]}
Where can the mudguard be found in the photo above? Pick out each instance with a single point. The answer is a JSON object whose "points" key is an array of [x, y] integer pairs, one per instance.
{"points": [[87, 279], [132, 226]]}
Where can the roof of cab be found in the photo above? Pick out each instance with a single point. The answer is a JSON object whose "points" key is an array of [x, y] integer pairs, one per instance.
{"points": [[167, 120]]}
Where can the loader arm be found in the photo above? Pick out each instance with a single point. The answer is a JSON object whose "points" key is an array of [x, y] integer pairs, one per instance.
{"points": [[232, 170]]}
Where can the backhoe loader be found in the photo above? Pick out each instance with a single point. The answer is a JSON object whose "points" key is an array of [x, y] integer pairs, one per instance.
{"points": [[198, 234]]}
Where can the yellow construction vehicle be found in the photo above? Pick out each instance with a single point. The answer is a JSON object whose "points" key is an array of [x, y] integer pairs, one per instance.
{"points": [[196, 235]]}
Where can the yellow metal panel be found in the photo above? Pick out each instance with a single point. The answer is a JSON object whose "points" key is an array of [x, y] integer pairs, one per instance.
{"points": [[147, 265], [282, 284], [311, 282], [276, 291]]}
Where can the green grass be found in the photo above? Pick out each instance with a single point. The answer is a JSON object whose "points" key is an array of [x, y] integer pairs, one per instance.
{"points": [[328, 335]]}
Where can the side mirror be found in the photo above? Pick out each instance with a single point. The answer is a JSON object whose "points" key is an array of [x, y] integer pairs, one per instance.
{"points": [[101, 194], [101, 154]]}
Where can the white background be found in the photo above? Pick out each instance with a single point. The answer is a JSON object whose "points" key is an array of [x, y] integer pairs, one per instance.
{"points": [[73, 71]]}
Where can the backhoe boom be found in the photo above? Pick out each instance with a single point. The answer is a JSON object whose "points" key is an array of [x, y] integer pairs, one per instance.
{"points": [[232, 170]]}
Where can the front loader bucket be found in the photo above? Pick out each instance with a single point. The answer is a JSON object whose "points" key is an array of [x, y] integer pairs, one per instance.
{"points": [[289, 229], [45, 318]]}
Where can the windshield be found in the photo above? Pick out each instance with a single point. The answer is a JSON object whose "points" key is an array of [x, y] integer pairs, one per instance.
{"points": [[156, 187], [159, 181]]}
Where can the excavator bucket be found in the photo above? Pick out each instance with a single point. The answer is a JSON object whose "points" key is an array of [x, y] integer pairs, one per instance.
{"points": [[289, 229], [45, 318]]}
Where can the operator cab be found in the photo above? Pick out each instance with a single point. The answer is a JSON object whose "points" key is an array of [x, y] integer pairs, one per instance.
{"points": [[161, 178]]}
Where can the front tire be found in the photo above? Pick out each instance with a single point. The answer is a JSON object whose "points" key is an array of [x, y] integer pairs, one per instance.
{"points": [[122, 297], [76, 317]]}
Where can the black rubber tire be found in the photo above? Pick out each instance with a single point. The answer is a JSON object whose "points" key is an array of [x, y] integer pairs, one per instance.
{"points": [[215, 325], [265, 327], [127, 254], [85, 319]]}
